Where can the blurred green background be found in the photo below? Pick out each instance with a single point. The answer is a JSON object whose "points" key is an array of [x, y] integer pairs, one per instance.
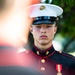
{"points": [[66, 29]]}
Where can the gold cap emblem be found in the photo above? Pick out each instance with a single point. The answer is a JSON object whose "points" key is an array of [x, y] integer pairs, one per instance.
{"points": [[42, 7]]}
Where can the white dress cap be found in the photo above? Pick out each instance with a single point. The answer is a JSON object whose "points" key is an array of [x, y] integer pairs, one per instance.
{"points": [[41, 9]]}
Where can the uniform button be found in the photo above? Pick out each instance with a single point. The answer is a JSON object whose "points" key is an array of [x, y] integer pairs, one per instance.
{"points": [[43, 60], [42, 68]]}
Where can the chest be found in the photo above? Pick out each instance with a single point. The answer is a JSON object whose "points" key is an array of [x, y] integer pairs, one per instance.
{"points": [[43, 64]]}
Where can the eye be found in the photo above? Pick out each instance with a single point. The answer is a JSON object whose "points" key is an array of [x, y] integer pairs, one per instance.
{"points": [[38, 26], [48, 26]]}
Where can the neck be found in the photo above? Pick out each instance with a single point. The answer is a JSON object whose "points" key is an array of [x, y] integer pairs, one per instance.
{"points": [[43, 47]]}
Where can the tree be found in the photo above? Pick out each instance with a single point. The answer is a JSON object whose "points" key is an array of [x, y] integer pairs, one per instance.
{"points": [[66, 24]]}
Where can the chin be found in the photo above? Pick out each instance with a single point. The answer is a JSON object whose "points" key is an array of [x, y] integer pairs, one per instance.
{"points": [[43, 43]]}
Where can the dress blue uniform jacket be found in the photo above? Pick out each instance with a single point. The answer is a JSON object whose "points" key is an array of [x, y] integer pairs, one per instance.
{"points": [[47, 61]]}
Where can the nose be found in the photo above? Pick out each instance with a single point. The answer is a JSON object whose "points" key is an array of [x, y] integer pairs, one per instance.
{"points": [[43, 30]]}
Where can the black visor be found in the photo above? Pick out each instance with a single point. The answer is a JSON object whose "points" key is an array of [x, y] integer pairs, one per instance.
{"points": [[44, 20]]}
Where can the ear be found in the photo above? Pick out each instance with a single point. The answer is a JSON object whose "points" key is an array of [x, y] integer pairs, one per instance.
{"points": [[55, 29]]}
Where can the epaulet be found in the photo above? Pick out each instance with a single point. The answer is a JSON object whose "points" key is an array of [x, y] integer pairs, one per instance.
{"points": [[66, 54]]}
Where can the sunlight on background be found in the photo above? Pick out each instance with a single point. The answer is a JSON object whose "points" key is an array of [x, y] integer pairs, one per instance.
{"points": [[59, 43]]}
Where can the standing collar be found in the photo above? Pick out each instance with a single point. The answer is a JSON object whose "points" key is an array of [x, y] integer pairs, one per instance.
{"points": [[45, 53]]}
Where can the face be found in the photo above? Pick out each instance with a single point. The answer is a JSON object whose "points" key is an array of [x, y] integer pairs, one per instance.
{"points": [[43, 34]]}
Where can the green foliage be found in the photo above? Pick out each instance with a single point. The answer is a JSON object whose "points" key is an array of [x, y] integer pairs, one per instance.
{"points": [[68, 21], [66, 26]]}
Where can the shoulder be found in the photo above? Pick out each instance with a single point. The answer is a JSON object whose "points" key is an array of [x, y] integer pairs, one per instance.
{"points": [[66, 55], [24, 52], [66, 59]]}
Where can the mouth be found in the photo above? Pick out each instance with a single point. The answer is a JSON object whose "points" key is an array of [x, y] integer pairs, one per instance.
{"points": [[43, 36]]}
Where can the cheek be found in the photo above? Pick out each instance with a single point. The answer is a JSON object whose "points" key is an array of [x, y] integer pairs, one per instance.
{"points": [[51, 32], [36, 31], [36, 34]]}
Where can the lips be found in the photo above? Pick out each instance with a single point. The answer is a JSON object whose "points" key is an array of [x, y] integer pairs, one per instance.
{"points": [[43, 36]]}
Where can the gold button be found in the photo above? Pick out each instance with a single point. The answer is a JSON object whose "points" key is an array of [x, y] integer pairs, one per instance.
{"points": [[43, 60], [42, 68]]}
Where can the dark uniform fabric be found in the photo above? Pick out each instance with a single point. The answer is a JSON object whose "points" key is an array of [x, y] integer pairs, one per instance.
{"points": [[11, 63], [46, 61]]}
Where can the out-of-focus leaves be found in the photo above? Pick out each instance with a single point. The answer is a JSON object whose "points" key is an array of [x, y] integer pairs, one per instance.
{"points": [[66, 25]]}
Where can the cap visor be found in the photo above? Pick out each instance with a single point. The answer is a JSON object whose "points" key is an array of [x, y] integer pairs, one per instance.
{"points": [[42, 22]]}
